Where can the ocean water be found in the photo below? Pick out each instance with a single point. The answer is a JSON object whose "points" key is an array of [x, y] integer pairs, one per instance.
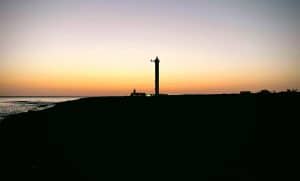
{"points": [[15, 105]]}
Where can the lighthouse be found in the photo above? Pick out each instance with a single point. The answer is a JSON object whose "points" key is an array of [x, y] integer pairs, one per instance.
{"points": [[156, 62]]}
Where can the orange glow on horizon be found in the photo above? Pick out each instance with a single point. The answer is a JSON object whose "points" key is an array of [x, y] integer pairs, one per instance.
{"points": [[113, 83]]}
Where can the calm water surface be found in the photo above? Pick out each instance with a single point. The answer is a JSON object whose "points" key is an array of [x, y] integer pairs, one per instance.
{"points": [[15, 105]]}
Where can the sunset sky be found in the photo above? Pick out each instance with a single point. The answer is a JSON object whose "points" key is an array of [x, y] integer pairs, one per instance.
{"points": [[104, 47]]}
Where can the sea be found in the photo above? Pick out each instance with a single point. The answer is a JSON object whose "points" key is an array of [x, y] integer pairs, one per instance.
{"points": [[16, 105]]}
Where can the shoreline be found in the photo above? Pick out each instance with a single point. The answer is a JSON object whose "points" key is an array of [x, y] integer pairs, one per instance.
{"points": [[36, 105]]}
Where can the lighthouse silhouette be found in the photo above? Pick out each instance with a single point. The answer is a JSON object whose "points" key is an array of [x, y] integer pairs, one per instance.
{"points": [[156, 61]]}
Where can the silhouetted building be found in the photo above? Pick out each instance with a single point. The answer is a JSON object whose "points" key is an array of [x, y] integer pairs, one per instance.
{"points": [[156, 61], [134, 93], [245, 92]]}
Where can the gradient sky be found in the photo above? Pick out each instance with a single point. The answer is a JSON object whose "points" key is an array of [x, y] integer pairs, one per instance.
{"points": [[104, 47]]}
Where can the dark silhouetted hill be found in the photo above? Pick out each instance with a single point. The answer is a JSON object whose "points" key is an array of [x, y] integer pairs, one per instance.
{"points": [[217, 137]]}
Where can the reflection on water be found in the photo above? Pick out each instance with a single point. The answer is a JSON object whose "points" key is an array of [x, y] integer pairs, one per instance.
{"points": [[15, 105]]}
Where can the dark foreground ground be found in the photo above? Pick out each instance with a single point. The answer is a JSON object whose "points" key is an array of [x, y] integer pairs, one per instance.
{"points": [[220, 137]]}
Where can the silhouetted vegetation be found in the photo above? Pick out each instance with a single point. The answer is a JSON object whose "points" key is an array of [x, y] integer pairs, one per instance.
{"points": [[267, 92], [264, 92]]}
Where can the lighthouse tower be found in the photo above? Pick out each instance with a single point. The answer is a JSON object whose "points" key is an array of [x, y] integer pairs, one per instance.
{"points": [[156, 61]]}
